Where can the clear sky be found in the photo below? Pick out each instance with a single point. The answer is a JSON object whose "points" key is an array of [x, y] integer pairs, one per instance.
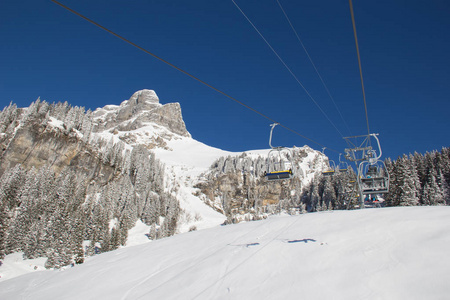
{"points": [[48, 52]]}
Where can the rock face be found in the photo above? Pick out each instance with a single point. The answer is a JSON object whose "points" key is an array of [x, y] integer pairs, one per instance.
{"points": [[37, 145], [33, 140], [235, 185], [141, 109]]}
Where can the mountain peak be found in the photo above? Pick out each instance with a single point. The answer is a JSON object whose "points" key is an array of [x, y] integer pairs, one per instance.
{"points": [[143, 97], [138, 102], [142, 111]]}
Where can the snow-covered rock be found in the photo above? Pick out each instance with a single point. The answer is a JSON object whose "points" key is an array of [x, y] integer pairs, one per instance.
{"points": [[141, 109]]}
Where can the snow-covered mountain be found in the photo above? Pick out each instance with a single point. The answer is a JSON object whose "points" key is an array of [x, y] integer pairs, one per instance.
{"points": [[142, 120], [122, 175], [392, 253]]}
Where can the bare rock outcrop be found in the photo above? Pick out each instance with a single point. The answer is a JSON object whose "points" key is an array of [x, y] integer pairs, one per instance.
{"points": [[142, 108]]}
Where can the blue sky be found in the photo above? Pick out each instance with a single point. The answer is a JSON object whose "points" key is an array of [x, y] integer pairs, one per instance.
{"points": [[50, 53]]}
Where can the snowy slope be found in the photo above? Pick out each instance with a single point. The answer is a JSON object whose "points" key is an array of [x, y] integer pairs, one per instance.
{"points": [[395, 253], [185, 161]]}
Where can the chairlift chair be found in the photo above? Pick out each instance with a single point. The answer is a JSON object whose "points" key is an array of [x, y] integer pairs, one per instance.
{"points": [[343, 166], [331, 169], [279, 165], [279, 161], [373, 178], [373, 174]]}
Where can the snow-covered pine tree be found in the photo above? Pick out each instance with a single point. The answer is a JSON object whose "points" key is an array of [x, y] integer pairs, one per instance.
{"points": [[31, 113], [151, 210], [43, 109], [328, 193], [60, 110], [433, 193], [39, 189], [62, 225], [152, 233], [7, 116], [406, 183], [4, 226], [78, 227], [87, 125], [314, 196]]}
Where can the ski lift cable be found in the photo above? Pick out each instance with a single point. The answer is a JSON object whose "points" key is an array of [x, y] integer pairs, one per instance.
{"points": [[287, 67], [186, 73], [314, 66], [359, 64]]}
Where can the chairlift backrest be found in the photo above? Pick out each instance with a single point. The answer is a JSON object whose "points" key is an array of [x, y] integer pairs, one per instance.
{"points": [[372, 171]]}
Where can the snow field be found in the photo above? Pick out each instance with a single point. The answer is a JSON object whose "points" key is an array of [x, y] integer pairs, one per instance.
{"points": [[13, 265], [187, 160], [391, 253]]}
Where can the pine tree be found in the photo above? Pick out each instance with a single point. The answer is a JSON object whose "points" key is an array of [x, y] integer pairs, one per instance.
{"points": [[314, 196], [328, 194], [31, 113], [116, 239], [60, 110], [152, 233], [77, 235], [7, 116], [405, 182], [4, 226], [432, 193], [391, 196], [70, 120], [87, 126], [28, 227], [43, 109], [11, 183]]}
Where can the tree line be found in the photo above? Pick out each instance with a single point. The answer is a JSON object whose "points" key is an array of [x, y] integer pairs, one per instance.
{"points": [[419, 179], [415, 179], [235, 185]]}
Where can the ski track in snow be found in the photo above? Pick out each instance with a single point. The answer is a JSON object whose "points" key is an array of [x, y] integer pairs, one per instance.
{"points": [[198, 260], [246, 259]]}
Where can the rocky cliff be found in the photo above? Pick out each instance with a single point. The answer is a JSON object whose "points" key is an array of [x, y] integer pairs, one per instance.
{"points": [[142, 120], [236, 185]]}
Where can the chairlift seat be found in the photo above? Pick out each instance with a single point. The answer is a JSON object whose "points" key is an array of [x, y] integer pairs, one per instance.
{"points": [[278, 175], [328, 173]]}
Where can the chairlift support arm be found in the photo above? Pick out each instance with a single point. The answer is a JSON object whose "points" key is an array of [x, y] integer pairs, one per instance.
{"points": [[375, 135], [271, 132]]}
